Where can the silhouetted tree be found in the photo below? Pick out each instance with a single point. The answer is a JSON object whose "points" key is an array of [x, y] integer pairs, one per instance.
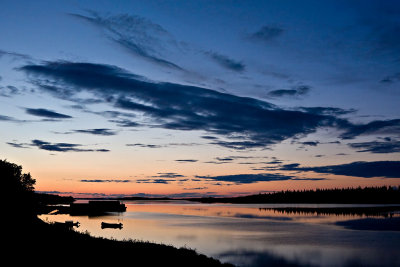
{"points": [[14, 181], [17, 190]]}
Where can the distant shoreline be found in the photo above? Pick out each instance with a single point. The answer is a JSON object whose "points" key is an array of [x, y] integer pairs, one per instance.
{"points": [[366, 195]]}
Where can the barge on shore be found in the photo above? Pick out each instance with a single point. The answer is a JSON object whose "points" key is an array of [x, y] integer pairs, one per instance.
{"points": [[96, 207]]}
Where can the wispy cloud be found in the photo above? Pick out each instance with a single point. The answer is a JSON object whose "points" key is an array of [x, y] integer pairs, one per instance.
{"points": [[138, 35], [266, 33], [295, 91], [154, 181], [104, 181], [226, 62], [254, 178], [391, 79], [18, 145], [168, 175], [15, 55], [41, 112], [97, 131], [145, 145], [7, 118], [387, 127], [389, 145], [9, 90], [186, 160], [364, 169], [61, 147]]}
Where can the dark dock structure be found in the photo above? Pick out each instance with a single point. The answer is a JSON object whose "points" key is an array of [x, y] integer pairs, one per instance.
{"points": [[96, 207]]}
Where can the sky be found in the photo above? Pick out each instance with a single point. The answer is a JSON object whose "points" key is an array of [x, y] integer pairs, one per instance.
{"points": [[200, 98]]}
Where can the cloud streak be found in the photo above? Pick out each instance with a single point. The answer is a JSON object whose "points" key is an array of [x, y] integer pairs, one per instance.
{"points": [[226, 62], [254, 178], [387, 146], [139, 36], [96, 131], [295, 92], [41, 112], [62, 147], [363, 169], [266, 33], [104, 181]]}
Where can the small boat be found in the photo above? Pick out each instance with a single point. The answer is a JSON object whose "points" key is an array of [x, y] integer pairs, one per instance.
{"points": [[67, 224], [111, 225]]}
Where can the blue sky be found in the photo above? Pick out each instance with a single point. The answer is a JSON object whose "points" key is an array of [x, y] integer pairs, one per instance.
{"points": [[200, 97]]}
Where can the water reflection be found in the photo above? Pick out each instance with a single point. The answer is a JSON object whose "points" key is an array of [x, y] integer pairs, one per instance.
{"points": [[256, 235], [382, 211]]}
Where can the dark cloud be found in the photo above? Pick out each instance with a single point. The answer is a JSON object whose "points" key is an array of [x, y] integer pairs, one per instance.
{"points": [[126, 123], [374, 127], [9, 91], [388, 146], [208, 137], [310, 143], [229, 159], [113, 114], [168, 175], [63, 147], [275, 161], [186, 160], [154, 181], [145, 145], [41, 112], [391, 79], [296, 91], [11, 119], [226, 62], [386, 169], [216, 162], [241, 145], [195, 188], [161, 145], [98, 131], [105, 181], [224, 159], [266, 34], [18, 145], [139, 36], [329, 111], [246, 122], [253, 178], [6, 118], [14, 55]]}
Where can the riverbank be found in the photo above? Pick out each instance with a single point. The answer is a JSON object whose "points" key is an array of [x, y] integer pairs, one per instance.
{"points": [[38, 242]]}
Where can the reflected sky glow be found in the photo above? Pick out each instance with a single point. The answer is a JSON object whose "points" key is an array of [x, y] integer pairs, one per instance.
{"points": [[249, 235]]}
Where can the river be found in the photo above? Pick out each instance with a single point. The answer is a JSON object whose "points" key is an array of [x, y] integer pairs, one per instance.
{"points": [[257, 234]]}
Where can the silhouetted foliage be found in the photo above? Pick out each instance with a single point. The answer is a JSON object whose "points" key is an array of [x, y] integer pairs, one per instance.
{"points": [[375, 195], [17, 193], [14, 180]]}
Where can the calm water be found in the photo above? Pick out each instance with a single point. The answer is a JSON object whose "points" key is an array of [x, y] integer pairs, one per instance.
{"points": [[254, 235]]}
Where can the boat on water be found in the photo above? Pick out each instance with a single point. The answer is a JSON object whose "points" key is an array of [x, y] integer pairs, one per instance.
{"points": [[68, 224], [111, 225]]}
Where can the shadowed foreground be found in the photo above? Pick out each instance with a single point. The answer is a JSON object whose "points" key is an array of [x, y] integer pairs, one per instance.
{"points": [[28, 240], [39, 242]]}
